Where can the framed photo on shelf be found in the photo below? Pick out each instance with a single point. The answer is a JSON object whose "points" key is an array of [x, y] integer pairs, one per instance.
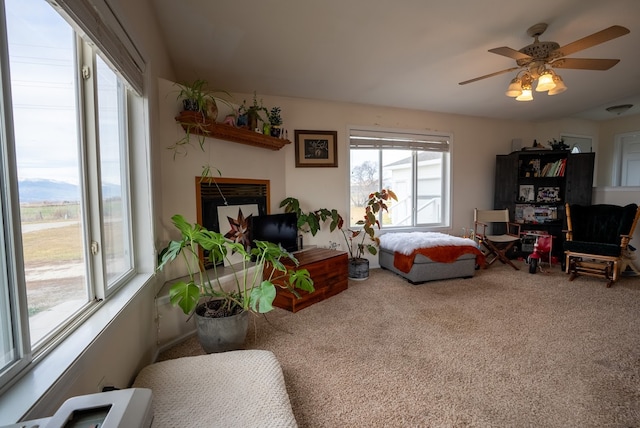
{"points": [[316, 148], [526, 193], [548, 194]]}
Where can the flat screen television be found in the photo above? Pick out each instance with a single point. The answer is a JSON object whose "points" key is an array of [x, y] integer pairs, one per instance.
{"points": [[277, 228]]}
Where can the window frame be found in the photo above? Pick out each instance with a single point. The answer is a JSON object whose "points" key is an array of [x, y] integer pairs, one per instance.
{"points": [[415, 142], [11, 261]]}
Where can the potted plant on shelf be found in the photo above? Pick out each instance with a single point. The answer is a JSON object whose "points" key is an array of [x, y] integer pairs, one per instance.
{"points": [[558, 145], [193, 95], [276, 122], [222, 309], [200, 109], [248, 116], [354, 238], [197, 97]]}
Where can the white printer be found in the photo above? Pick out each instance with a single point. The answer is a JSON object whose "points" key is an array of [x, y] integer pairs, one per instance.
{"points": [[113, 409]]}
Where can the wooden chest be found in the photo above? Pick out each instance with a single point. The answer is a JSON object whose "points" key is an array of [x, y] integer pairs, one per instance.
{"points": [[329, 271]]}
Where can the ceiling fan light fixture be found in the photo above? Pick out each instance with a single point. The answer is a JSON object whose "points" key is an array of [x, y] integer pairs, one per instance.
{"points": [[545, 82], [538, 59], [560, 86], [526, 94], [515, 88]]}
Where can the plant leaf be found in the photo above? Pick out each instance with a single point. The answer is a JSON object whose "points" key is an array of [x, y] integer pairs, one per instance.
{"points": [[185, 295], [170, 253], [262, 297], [302, 280]]}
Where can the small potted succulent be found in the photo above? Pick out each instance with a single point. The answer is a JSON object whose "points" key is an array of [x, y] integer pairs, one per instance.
{"points": [[276, 122]]}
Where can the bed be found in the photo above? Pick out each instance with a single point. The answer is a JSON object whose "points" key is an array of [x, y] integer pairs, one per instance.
{"points": [[429, 256]]}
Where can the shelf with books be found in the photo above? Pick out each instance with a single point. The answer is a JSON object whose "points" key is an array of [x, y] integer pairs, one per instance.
{"points": [[535, 185]]}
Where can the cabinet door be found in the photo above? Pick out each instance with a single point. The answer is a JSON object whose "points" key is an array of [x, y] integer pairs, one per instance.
{"points": [[506, 183], [579, 178]]}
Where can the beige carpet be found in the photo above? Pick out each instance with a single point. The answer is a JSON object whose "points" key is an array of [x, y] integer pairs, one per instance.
{"points": [[504, 349]]}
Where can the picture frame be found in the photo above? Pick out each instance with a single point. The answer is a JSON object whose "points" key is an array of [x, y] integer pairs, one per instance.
{"points": [[526, 193], [316, 148], [221, 213], [548, 194]]}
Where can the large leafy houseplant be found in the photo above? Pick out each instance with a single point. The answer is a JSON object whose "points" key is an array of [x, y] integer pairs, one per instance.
{"points": [[254, 291], [311, 221], [376, 204], [355, 238]]}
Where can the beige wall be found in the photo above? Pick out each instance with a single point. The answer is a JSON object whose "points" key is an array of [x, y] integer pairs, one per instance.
{"points": [[603, 134], [547, 131], [607, 133], [475, 143]]}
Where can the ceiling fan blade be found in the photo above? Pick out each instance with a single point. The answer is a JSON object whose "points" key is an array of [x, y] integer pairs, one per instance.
{"points": [[589, 41], [489, 75], [584, 63], [510, 53]]}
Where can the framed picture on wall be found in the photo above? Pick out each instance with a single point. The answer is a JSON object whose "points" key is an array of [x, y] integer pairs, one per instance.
{"points": [[316, 148]]}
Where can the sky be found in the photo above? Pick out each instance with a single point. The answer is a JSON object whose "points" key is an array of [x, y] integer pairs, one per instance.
{"points": [[42, 68]]}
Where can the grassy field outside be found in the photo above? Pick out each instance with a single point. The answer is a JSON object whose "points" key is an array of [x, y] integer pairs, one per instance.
{"points": [[54, 245], [53, 252], [44, 212]]}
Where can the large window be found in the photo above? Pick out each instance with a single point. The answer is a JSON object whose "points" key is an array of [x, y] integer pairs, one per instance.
{"points": [[414, 165], [67, 235]]}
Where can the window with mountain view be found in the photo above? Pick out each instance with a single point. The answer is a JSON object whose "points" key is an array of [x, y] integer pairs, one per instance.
{"points": [[45, 119], [67, 139]]}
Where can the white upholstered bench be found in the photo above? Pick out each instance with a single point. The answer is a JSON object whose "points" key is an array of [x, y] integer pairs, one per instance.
{"points": [[230, 389]]}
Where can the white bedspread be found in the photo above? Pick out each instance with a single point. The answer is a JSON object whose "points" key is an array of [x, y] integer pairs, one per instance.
{"points": [[407, 242]]}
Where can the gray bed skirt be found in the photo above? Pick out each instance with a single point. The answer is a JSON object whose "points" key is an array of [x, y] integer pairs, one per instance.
{"points": [[424, 269]]}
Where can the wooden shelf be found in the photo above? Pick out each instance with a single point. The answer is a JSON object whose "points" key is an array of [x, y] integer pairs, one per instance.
{"points": [[193, 123]]}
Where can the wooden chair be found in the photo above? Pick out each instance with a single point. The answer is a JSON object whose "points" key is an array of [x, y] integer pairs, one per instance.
{"points": [[597, 239], [496, 245]]}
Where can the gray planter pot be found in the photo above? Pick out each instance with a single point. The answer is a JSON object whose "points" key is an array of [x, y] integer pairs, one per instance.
{"points": [[222, 334], [358, 269]]}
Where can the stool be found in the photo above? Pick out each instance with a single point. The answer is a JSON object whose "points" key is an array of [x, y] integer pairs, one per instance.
{"points": [[228, 389]]}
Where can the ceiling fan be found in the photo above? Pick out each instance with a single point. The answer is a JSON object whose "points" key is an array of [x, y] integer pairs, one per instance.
{"points": [[537, 61]]}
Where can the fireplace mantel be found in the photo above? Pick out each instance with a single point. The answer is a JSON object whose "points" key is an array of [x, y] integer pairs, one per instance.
{"points": [[193, 123]]}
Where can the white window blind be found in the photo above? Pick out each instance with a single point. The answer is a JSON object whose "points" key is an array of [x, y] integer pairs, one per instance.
{"points": [[102, 28], [410, 140]]}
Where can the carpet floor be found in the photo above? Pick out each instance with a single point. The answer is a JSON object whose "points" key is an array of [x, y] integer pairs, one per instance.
{"points": [[503, 349]]}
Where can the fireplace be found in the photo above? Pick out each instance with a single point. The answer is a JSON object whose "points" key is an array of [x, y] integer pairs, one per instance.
{"points": [[226, 205]]}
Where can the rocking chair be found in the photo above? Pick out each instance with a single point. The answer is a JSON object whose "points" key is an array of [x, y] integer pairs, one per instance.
{"points": [[597, 239]]}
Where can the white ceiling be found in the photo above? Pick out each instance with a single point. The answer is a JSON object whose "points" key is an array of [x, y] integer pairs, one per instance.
{"points": [[402, 53]]}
